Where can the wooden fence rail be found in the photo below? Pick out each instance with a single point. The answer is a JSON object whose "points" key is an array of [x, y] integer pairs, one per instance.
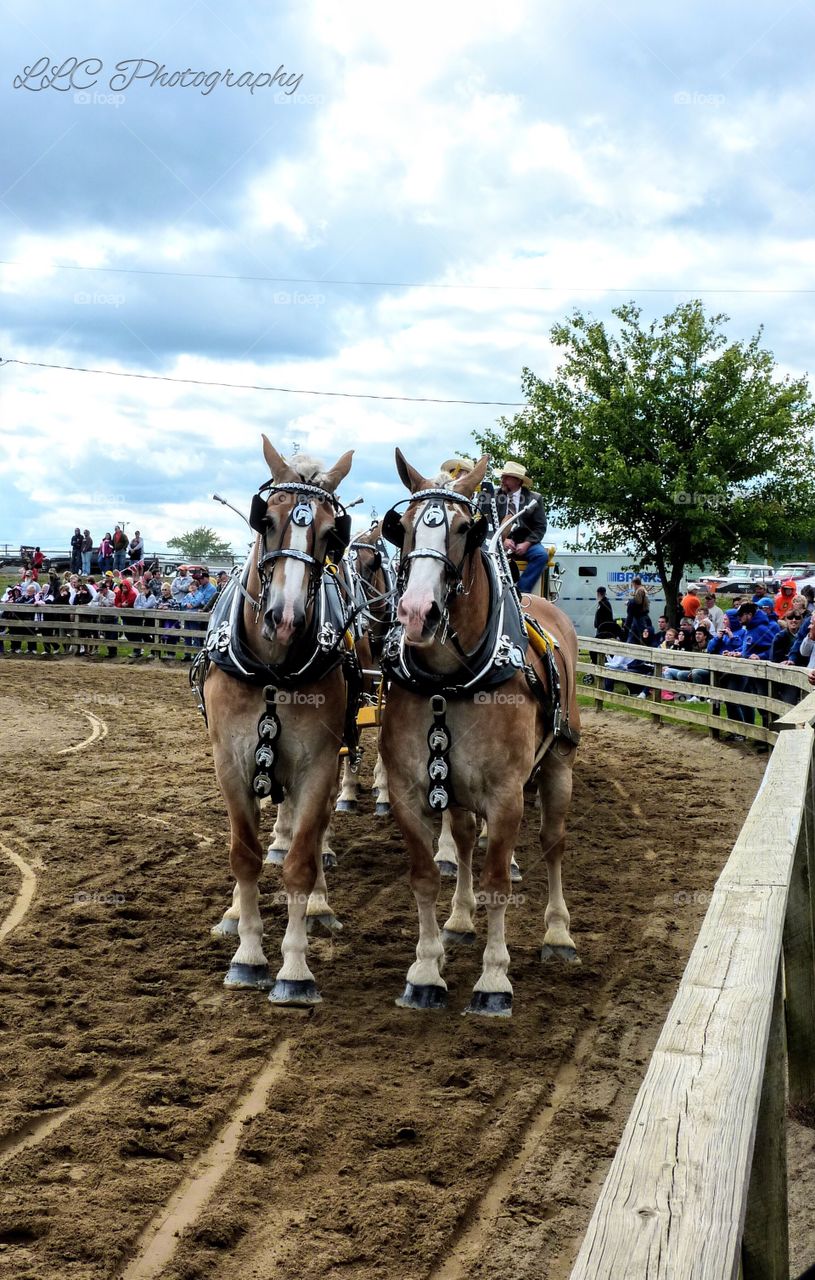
{"points": [[775, 687], [164, 632], [697, 1187]]}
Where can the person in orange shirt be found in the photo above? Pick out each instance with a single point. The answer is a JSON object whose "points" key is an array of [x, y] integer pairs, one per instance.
{"points": [[690, 605], [783, 601]]}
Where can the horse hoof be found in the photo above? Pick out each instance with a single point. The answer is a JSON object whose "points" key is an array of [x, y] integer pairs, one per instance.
{"points": [[515, 873], [482, 842], [447, 869], [426, 996], [276, 857], [327, 919], [382, 809], [451, 938], [491, 1004], [249, 976], [330, 861], [226, 928], [346, 806], [566, 955], [300, 992]]}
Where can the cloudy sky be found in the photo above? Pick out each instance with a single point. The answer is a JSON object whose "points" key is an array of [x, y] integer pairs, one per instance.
{"points": [[423, 190]]}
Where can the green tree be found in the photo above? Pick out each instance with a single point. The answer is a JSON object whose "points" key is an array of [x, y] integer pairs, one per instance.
{"points": [[667, 439], [200, 544]]}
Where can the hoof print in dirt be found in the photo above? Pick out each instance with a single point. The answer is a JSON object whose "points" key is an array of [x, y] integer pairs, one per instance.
{"points": [[447, 870], [226, 928], [427, 996], [248, 976], [566, 955], [452, 939], [298, 993], [491, 1004]]}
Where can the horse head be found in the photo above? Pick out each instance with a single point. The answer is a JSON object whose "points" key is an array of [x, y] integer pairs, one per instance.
{"points": [[298, 521], [438, 532]]}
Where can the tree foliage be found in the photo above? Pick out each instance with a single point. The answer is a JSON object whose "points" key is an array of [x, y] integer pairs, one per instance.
{"points": [[668, 440], [200, 544]]}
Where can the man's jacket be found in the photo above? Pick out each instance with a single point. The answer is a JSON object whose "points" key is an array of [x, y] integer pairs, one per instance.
{"points": [[530, 527]]}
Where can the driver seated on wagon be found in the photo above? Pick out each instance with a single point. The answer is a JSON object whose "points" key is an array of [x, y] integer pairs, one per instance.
{"points": [[524, 538]]}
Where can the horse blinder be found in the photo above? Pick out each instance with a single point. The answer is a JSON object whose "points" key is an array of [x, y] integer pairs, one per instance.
{"points": [[393, 529], [258, 514]]}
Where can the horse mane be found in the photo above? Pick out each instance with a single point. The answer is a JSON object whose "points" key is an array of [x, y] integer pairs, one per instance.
{"points": [[309, 469]]}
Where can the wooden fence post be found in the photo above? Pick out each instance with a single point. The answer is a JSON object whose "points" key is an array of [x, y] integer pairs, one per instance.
{"points": [[765, 1245], [799, 963]]}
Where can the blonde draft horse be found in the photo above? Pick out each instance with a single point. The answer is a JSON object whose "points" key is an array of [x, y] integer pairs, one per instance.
{"points": [[311, 726], [369, 569], [495, 745]]}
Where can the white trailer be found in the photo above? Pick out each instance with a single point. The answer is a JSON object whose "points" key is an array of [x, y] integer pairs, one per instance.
{"points": [[577, 575]]}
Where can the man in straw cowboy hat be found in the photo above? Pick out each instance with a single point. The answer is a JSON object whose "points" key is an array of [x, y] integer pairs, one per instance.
{"points": [[456, 467], [524, 537]]}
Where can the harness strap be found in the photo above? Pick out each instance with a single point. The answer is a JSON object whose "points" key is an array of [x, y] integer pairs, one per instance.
{"points": [[264, 782], [438, 762]]}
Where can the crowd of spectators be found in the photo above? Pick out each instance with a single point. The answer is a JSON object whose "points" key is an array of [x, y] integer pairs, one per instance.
{"points": [[60, 603], [779, 630]]}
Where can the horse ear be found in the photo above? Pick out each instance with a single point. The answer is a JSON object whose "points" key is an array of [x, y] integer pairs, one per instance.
{"points": [[276, 464], [467, 484], [410, 477], [339, 471]]}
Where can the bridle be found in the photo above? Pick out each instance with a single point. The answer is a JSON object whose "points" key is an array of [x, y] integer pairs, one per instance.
{"points": [[301, 515], [435, 514]]}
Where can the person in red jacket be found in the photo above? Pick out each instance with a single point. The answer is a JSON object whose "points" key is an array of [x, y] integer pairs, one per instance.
{"points": [[124, 597], [37, 563], [783, 601]]}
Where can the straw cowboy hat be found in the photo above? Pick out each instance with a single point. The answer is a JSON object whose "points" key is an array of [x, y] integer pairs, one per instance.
{"points": [[518, 471], [456, 467]]}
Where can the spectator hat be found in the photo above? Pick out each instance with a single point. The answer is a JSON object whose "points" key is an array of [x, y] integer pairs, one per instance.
{"points": [[766, 602], [747, 607]]}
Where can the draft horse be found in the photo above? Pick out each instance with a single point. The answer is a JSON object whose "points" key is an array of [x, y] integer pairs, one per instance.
{"points": [[482, 692], [277, 684]]}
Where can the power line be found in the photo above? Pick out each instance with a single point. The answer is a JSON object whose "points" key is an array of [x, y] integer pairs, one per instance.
{"points": [[247, 386], [410, 284]]}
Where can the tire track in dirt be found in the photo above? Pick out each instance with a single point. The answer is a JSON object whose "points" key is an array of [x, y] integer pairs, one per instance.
{"points": [[25, 893], [99, 731], [36, 1131], [158, 1242]]}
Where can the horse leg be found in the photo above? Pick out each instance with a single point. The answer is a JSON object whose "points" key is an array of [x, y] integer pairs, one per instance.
{"points": [[281, 835], [249, 967], [492, 994], [460, 927], [383, 803], [227, 926], [555, 786], [295, 984], [514, 870], [425, 987], [447, 857], [347, 800]]}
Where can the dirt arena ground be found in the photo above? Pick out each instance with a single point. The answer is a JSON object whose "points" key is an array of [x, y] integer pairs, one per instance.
{"points": [[154, 1124]]}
